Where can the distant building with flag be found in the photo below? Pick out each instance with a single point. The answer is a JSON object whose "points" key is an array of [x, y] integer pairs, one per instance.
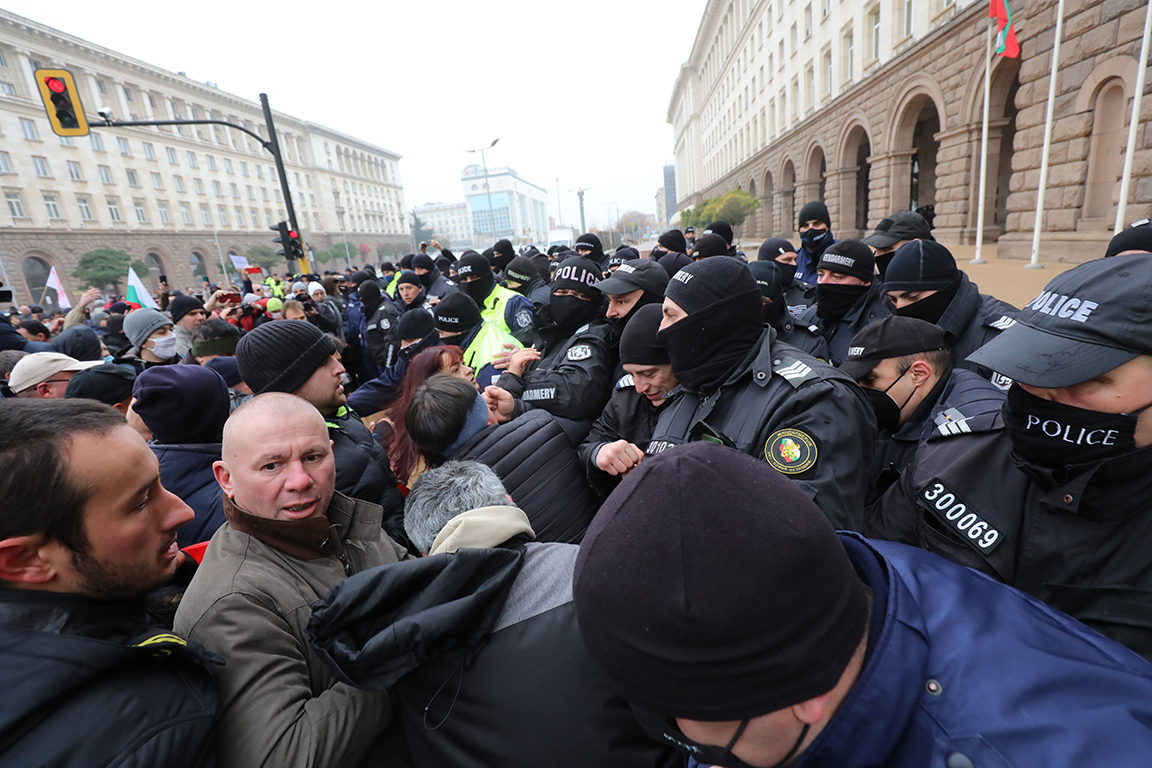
{"points": [[875, 107]]}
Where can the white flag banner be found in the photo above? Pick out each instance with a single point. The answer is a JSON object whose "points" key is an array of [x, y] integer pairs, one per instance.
{"points": [[61, 295], [239, 262], [137, 292]]}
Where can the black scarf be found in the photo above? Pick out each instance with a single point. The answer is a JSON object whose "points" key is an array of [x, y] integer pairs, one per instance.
{"points": [[834, 300], [931, 308], [569, 312], [706, 346], [478, 289]]}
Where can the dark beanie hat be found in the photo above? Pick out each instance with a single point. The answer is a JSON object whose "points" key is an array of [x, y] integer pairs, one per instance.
{"points": [[387, 266], [638, 344], [849, 257], [443, 263], [409, 277], [521, 270], [359, 277], [920, 265], [578, 274], [406, 260], [703, 283], [674, 261], [415, 324], [473, 264], [769, 277], [673, 240], [228, 368], [592, 241], [280, 356], [423, 261], [504, 248], [716, 617], [722, 228], [109, 383], [79, 342], [182, 404], [710, 245], [457, 312], [182, 305], [773, 247], [1137, 237], [814, 211], [118, 308], [490, 254]]}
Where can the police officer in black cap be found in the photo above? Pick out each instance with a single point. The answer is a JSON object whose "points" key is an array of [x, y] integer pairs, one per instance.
{"points": [[906, 371], [798, 293], [1052, 495], [848, 296], [523, 276], [571, 375], [771, 277], [815, 228], [724, 229], [892, 232], [634, 284], [709, 245], [739, 385], [924, 282]]}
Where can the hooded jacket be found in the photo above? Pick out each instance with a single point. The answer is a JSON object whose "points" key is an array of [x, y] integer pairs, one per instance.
{"points": [[92, 683], [481, 639], [186, 470]]}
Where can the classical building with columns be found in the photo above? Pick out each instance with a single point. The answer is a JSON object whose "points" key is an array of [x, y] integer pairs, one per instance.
{"points": [[179, 198], [876, 105]]}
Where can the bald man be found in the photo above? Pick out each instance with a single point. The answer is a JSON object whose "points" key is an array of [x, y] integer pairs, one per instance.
{"points": [[290, 537]]}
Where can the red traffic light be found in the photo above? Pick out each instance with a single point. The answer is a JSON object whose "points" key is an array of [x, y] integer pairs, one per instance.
{"points": [[293, 234], [55, 84]]}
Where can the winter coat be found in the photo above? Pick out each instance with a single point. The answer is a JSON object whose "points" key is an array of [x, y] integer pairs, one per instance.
{"points": [[437, 286], [10, 338], [872, 306], [494, 618], [186, 470], [629, 416], [536, 460], [91, 683], [971, 321], [377, 394], [251, 602], [381, 337], [363, 470]]}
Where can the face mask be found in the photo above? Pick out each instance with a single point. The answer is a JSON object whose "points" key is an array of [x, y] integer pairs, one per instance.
{"points": [[164, 347], [455, 340], [813, 238], [478, 290], [787, 273], [571, 312], [774, 312], [833, 300], [886, 410], [428, 278], [1053, 435], [931, 308]]}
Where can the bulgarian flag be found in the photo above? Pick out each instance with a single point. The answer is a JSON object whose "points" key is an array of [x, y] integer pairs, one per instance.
{"points": [[1006, 44], [137, 293]]}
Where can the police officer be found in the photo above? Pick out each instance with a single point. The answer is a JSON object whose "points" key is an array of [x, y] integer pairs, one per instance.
{"points": [[523, 276], [741, 386], [770, 276], [1052, 495], [893, 232], [380, 333], [848, 296], [635, 283], [815, 229], [924, 282], [619, 437], [798, 293], [571, 375], [906, 371], [461, 323], [708, 246], [499, 306], [435, 284], [724, 229]]}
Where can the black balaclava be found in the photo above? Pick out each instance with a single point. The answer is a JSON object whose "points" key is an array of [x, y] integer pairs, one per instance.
{"points": [[578, 274], [406, 261], [369, 293], [815, 242], [722, 228], [769, 275], [424, 261], [773, 248], [924, 265], [503, 253], [473, 264], [848, 257], [931, 308], [597, 254]]}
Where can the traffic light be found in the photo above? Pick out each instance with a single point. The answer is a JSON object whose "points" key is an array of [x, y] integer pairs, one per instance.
{"points": [[62, 102], [284, 240], [296, 243]]}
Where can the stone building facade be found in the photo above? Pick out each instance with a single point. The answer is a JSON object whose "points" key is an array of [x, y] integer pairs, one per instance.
{"points": [[179, 198], [907, 131]]}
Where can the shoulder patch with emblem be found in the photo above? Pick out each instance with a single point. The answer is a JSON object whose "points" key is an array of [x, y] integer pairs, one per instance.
{"points": [[794, 371], [625, 381], [580, 352], [1003, 323], [523, 318], [385, 324], [790, 451]]}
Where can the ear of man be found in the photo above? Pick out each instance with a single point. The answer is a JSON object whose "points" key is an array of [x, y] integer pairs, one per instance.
{"points": [[29, 560]]}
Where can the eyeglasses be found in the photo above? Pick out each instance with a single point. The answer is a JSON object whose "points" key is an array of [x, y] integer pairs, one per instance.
{"points": [[665, 729]]}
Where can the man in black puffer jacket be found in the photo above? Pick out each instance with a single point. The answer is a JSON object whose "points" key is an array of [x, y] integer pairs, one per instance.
{"points": [[293, 356], [479, 640]]}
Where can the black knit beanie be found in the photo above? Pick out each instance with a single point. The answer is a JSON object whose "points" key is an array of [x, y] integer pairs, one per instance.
{"points": [[578, 274], [849, 257], [359, 277], [521, 270], [722, 228], [415, 324], [280, 356], [716, 616], [182, 404], [182, 305], [406, 260], [774, 247], [457, 312], [814, 211], [638, 344], [673, 240], [409, 277], [592, 241], [920, 265], [710, 245], [703, 283], [423, 261], [503, 253]]}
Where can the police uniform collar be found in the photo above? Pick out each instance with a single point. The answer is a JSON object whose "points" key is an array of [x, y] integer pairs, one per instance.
{"points": [[961, 310]]}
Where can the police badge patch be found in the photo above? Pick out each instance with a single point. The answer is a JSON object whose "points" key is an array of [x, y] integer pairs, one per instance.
{"points": [[523, 318], [580, 352], [790, 451], [385, 325]]}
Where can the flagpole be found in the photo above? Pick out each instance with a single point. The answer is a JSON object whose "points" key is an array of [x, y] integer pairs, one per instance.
{"points": [[984, 148], [1133, 124], [1034, 262]]}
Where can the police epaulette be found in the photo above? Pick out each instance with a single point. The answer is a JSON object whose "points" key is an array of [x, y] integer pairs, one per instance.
{"points": [[944, 428], [625, 381], [794, 371]]}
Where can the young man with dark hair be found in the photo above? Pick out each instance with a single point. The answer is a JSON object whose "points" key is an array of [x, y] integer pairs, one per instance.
{"points": [[86, 531]]}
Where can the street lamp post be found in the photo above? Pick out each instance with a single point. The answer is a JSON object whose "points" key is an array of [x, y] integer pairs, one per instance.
{"points": [[487, 188], [340, 215]]}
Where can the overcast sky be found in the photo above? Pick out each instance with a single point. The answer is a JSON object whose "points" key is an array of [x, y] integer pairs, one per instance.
{"points": [[577, 91]]}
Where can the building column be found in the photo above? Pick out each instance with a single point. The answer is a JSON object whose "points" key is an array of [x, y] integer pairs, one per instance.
{"points": [[955, 168], [842, 201], [891, 181]]}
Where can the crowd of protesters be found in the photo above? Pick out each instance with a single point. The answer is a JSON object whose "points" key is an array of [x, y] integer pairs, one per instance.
{"points": [[827, 506]]}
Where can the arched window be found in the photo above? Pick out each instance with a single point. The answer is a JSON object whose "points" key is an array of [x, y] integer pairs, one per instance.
{"points": [[155, 269], [1105, 152], [199, 267], [36, 276]]}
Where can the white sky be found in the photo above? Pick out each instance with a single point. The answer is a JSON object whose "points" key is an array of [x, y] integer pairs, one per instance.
{"points": [[576, 91]]}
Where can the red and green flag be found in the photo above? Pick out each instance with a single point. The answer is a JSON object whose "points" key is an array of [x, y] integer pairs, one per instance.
{"points": [[1006, 44]]}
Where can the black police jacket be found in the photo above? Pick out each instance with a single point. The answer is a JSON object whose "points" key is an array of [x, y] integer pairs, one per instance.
{"points": [[537, 463], [799, 296], [809, 421], [363, 470], [839, 333], [629, 416], [971, 321], [806, 338], [573, 377], [1081, 545], [92, 683], [382, 335]]}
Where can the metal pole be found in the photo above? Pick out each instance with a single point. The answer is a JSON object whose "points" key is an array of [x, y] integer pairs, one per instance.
{"points": [[583, 226], [984, 148], [488, 190], [1034, 262], [274, 148], [1133, 123], [219, 252], [344, 237], [559, 213]]}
